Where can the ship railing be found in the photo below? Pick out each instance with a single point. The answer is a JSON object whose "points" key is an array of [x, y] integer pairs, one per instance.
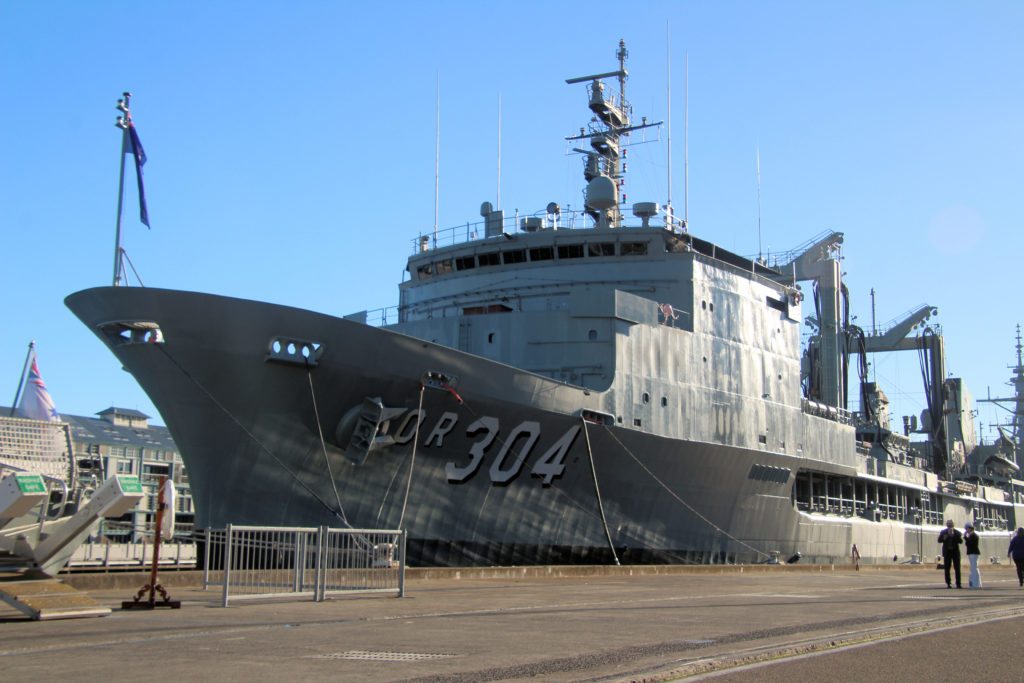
{"points": [[381, 317], [781, 258], [377, 317], [882, 328], [565, 219], [446, 237], [264, 562]]}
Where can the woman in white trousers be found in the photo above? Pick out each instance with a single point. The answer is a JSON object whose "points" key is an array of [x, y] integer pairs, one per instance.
{"points": [[971, 544]]}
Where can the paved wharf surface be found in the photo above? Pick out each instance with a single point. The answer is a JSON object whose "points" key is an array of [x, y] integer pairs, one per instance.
{"points": [[788, 623]]}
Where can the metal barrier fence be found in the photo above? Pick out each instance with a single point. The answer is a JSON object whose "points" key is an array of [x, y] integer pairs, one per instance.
{"points": [[132, 555], [258, 562]]}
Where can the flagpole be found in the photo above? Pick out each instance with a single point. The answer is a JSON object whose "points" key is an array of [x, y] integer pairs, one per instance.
{"points": [[21, 382], [122, 123]]}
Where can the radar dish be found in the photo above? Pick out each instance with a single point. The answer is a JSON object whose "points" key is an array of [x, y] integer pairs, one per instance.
{"points": [[645, 209], [601, 194]]}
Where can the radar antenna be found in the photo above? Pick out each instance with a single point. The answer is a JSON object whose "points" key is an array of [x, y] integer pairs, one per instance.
{"points": [[605, 162]]}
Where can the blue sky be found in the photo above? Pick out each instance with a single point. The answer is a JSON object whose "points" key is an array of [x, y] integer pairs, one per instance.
{"points": [[292, 146]]}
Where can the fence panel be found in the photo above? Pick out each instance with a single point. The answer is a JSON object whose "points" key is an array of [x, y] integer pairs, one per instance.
{"points": [[362, 561], [250, 562]]}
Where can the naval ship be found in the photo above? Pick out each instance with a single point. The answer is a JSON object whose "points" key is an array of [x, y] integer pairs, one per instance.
{"points": [[571, 387]]}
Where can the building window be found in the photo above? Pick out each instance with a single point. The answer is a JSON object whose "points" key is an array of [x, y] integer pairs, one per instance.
{"points": [[124, 466]]}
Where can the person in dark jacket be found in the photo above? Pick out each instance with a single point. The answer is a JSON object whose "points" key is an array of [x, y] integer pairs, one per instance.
{"points": [[1016, 551], [973, 553], [951, 541]]}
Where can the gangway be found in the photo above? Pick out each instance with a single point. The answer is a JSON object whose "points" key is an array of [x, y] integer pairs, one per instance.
{"points": [[38, 550]]}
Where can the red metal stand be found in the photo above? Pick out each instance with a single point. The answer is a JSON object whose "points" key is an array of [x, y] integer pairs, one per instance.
{"points": [[153, 587]]}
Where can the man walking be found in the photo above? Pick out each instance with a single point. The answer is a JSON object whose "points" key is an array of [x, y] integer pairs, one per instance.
{"points": [[1016, 550], [951, 541]]}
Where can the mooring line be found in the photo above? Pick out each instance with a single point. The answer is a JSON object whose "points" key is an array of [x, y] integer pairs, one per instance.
{"points": [[412, 460], [323, 445], [252, 436], [597, 490], [683, 502]]}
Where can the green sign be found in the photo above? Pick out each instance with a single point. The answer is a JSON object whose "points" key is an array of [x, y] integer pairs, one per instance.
{"points": [[30, 483], [130, 484]]}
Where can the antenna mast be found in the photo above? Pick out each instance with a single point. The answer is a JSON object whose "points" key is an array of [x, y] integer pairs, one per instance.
{"points": [[668, 118], [686, 148], [759, 254], [498, 204], [605, 165], [437, 152]]}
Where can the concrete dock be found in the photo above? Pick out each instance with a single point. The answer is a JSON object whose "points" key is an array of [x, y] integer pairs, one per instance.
{"points": [[549, 624]]}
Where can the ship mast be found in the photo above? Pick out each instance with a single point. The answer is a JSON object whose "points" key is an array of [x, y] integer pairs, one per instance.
{"points": [[605, 165], [1017, 420]]}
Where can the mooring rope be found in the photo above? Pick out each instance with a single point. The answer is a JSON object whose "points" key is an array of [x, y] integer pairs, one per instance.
{"points": [[323, 445], [412, 460], [683, 502], [252, 436], [387, 492], [597, 490]]}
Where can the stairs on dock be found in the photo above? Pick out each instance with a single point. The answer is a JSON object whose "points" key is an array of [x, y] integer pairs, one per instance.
{"points": [[46, 598]]}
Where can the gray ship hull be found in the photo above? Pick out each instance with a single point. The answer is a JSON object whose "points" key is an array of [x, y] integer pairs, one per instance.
{"points": [[497, 466]]}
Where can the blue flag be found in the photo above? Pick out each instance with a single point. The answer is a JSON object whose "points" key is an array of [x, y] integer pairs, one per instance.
{"points": [[135, 149]]}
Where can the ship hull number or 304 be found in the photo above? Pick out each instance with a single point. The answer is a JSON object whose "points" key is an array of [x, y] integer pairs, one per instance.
{"points": [[512, 450]]}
